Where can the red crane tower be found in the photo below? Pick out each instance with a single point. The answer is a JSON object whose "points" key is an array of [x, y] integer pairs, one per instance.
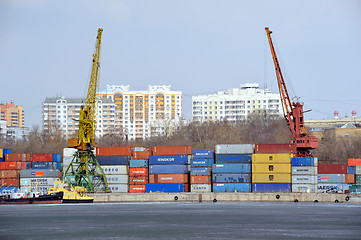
{"points": [[293, 112]]}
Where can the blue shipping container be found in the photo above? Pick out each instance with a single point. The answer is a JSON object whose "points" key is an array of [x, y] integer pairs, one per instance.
{"points": [[231, 187], [233, 158], [6, 151], [201, 171], [271, 187], [8, 190], [113, 160], [232, 178], [232, 168], [43, 165], [28, 165], [138, 163], [351, 170], [302, 161], [56, 158], [165, 187], [58, 165], [168, 169], [205, 162], [203, 154], [168, 159], [2, 159]]}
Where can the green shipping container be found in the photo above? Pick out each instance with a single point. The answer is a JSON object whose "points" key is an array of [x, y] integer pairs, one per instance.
{"points": [[358, 179], [354, 188]]}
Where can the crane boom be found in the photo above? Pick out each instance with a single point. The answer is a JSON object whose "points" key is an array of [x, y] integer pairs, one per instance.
{"points": [[293, 112]]}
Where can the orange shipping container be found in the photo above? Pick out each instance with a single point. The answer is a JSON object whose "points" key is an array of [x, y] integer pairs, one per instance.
{"points": [[141, 155], [358, 162], [136, 188], [12, 165], [42, 157], [17, 157], [10, 182], [200, 179], [113, 151], [351, 162], [350, 178], [138, 172], [168, 178], [138, 180], [172, 150], [9, 173]]}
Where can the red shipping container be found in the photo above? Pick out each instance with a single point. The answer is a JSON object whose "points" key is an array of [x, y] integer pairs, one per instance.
{"points": [[200, 179], [186, 187], [9, 174], [358, 162], [12, 165], [168, 178], [42, 158], [9, 182], [352, 162], [137, 188], [332, 168], [138, 172], [113, 151], [138, 180], [350, 178], [172, 150], [274, 148], [17, 157], [141, 155]]}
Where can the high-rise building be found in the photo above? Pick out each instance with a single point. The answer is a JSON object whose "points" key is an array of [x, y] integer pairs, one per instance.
{"points": [[236, 104], [140, 114], [13, 115], [60, 113]]}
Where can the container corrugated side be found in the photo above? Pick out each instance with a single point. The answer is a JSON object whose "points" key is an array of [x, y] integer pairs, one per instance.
{"points": [[137, 188], [271, 168], [172, 150], [231, 187], [166, 187], [350, 178], [232, 168], [332, 169], [138, 171], [113, 151], [115, 170], [40, 173], [13, 165], [168, 169], [358, 170], [304, 170], [271, 187], [42, 189], [9, 173], [118, 188], [43, 165], [231, 178], [355, 188], [113, 160], [205, 162], [168, 159], [304, 179], [201, 171], [69, 152], [138, 163], [235, 148], [201, 188], [168, 178], [201, 180], [358, 179], [8, 190], [271, 178], [33, 182], [42, 157], [274, 148], [138, 180], [14, 182], [304, 161], [351, 170], [331, 178], [141, 154], [304, 188], [117, 179], [271, 158], [233, 158], [339, 187], [203, 154]]}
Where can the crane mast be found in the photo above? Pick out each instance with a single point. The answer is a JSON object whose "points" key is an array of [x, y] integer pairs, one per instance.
{"points": [[293, 112]]}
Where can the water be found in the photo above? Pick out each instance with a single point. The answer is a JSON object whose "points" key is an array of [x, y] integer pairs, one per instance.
{"points": [[181, 221]]}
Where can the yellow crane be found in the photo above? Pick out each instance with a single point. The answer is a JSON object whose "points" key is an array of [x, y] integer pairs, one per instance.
{"points": [[84, 170]]}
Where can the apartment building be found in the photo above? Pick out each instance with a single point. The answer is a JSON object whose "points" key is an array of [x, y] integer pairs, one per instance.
{"points": [[12, 114], [236, 104]]}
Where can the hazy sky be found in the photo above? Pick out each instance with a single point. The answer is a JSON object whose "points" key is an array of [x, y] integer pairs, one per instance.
{"points": [[197, 47]]}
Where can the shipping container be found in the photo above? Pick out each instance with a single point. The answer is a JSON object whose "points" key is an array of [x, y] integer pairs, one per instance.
{"points": [[117, 188], [350, 178], [168, 169], [117, 179], [56, 158], [42, 157], [9, 190], [358, 170], [166, 187], [234, 148], [33, 182], [9, 173], [139, 163], [231, 178], [353, 162], [168, 159], [39, 173], [13, 165], [271, 187], [304, 188], [113, 160], [141, 149], [172, 150], [205, 162], [304, 170], [201, 171], [304, 161], [331, 178], [67, 160], [168, 178], [13, 182], [271, 168], [332, 169], [351, 170], [274, 148], [28, 165], [232, 168], [113, 151], [304, 179], [271, 178], [115, 170], [137, 188], [233, 158], [358, 179], [138, 172], [69, 152], [201, 188], [17, 157], [142, 155], [231, 187], [332, 187], [138, 180], [43, 165], [201, 180], [271, 158], [355, 188], [203, 154]]}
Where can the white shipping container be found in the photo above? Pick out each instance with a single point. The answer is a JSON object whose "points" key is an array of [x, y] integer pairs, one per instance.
{"points": [[235, 148], [33, 182], [358, 170], [117, 187], [304, 170], [67, 161], [331, 178], [322, 187], [306, 188], [201, 188], [113, 179], [115, 169], [308, 179], [69, 152]]}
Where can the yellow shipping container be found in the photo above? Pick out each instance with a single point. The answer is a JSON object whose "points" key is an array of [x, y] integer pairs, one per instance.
{"points": [[1, 153], [271, 168], [272, 158], [271, 178]]}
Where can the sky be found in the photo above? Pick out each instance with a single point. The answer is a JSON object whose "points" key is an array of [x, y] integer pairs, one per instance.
{"points": [[196, 46]]}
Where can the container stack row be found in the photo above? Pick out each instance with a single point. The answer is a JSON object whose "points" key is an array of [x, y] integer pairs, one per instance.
{"points": [[201, 170], [354, 175], [304, 174], [139, 169], [332, 178]]}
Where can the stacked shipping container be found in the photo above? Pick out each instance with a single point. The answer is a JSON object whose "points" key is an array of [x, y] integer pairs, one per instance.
{"points": [[138, 169], [354, 175], [304, 174], [332, 177], [201, 170]]}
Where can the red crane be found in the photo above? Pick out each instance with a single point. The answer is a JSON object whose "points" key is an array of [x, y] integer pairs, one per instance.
{"points": [[293, 112]]}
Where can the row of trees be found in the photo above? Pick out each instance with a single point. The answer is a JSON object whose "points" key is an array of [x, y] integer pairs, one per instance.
{"points": [[257, 129]]}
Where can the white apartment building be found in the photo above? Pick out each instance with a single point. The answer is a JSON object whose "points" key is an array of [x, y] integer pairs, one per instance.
{"points": [[140, 114], [236, 104], [63, 113]]}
